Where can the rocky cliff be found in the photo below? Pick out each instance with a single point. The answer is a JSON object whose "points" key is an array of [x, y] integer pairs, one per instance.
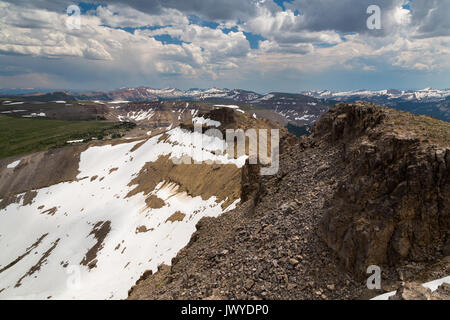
{"points": [[370, 186], [394, 206]]}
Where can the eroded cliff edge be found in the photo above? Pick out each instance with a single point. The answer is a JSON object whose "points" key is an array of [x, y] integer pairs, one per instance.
{"points": [[369, 186]]}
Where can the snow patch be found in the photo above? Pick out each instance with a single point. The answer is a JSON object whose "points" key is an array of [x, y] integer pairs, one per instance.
{"points": [[35, 115], [13, 164], [207, 122], [64, 217], [119, 102], [237, 108], [12, 103]]}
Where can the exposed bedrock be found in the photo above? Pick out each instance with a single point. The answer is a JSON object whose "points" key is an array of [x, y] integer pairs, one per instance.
{"points": [[394, 206]]}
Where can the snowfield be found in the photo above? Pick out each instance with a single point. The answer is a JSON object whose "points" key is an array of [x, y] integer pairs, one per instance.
{"points": [[208, 122], [86, 239]]}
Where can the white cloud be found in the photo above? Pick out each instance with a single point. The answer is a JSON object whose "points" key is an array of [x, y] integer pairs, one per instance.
{"points": [[122, 16], [313, 39]]}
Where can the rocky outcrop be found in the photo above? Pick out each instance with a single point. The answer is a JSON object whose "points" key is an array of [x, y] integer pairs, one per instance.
{"points": [[342, 185], [416, 291], [394, 206]]}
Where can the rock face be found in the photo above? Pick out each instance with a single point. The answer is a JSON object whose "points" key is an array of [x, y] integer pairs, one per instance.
{"points": [[371, 182], [395, 204]]}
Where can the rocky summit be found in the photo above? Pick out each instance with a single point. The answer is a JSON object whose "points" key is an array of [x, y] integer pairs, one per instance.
{"points": [[370, 186]]}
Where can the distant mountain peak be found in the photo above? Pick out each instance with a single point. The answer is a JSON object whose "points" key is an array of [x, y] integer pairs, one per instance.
{"points": [[428, 94]]}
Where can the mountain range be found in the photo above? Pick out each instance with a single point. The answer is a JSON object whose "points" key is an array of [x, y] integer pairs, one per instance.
{"points": [[424, 95], [301, 109]]}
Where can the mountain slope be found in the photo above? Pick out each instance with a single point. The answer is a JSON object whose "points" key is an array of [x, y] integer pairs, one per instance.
{"points": [[109, 209], [302, 236]]}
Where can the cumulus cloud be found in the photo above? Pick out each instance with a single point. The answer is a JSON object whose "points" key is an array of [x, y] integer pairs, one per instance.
{"points": [[123, 16], [198, 42], [209, 9], [431, 18]]}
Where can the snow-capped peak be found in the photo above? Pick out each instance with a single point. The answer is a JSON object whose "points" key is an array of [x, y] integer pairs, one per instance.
{"points": [[407, 95]]}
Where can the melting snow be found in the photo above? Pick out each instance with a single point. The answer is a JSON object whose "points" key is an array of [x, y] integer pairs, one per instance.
{"points": [[141, 115], [34, 115], [118, 102], [12, 103], [230, 106], [208, 122], [14, 164], [13, 111], [63, 217]]}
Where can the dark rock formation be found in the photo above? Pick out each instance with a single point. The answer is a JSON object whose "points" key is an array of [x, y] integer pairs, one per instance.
{"points": [[395, 204]]}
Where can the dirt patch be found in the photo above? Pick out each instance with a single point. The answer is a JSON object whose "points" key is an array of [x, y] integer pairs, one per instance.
{"points": [[10, 199], [222, 181], [177, 216], [154, 202], [38, 265], [40, 170], [164, 137], [113, 170], [141, 229], [94, 178], [100, 231], [29, 197], [27, 252], [137, 146], [50, 212]]}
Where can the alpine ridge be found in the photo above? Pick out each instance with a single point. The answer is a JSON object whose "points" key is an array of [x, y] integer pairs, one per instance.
{"points": [[337, 206]]}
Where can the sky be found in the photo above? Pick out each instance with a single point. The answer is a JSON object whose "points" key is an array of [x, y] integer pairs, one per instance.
{"points": [[259, 45]]}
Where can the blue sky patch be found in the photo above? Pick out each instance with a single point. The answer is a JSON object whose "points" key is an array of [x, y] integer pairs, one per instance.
{"points": [[167, 39], [88, 6], [228, 30], [281, 3], [324, 45], [133, 29], [254, 39], [193, 19]]}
